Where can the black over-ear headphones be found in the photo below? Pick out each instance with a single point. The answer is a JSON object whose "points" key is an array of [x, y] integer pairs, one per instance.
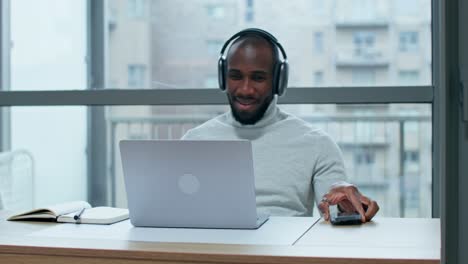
{"points": [[280, 69]]}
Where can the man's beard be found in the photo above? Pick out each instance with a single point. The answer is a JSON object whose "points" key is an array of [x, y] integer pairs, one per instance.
{"points": [[248, 118]]}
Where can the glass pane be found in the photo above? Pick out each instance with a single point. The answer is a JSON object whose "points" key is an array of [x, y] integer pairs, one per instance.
{"points": [[48, 45], [47, 160], [386, 148], [328, 43]]}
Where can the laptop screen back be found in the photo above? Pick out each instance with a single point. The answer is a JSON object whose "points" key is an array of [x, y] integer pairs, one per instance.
{"points": [[184, 183]]}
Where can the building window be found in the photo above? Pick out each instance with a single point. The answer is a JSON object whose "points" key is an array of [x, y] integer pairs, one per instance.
{"points": [[136, 8], [167, 57], [136, 75], [411, 162], [318, 42], [364, 158], [408, 77], [215, 11], [363, 42], [411, 156], [408, 41], [318, 78], [249, 11]]}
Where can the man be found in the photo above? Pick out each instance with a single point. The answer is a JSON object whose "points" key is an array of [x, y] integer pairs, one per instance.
{"points": [[294, 162]]}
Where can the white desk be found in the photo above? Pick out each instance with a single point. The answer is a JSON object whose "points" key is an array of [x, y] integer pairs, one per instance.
{"points": [[419, 245], [276, 231], [389, 238]]}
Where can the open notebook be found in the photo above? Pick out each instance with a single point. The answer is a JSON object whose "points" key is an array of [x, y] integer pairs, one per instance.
{"points": [[79, 212]]}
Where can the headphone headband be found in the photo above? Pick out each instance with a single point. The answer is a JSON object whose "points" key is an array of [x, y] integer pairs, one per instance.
{"points": [[281, 67], [255, 31]]}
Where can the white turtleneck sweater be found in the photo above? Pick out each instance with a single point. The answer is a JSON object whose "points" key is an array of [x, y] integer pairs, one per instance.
{"points": [[293, 161]]}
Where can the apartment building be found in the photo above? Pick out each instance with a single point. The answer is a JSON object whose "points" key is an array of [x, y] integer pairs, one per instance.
{"points": [[176, 44]]}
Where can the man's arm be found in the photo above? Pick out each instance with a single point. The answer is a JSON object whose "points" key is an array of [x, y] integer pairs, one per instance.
{"points": [[331, 188], [329, 167]]}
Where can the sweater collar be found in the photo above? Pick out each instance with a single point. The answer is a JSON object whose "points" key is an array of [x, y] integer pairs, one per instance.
{"points": [[270, 116]]}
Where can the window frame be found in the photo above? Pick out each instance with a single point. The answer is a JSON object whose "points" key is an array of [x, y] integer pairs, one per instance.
{"points": [[95, 95], [4, 72], [407, 46], [319, 38], [436, 94]]}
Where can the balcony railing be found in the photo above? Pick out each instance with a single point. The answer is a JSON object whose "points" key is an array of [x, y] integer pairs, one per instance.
{"points": [[362, 57], [369, 19], [361, 23]]}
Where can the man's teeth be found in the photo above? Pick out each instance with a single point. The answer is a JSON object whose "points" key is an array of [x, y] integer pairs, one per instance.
{"points": [[246, 102]]}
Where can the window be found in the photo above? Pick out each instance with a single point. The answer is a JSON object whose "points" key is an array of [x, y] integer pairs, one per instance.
{"points": [[364, 158], [363, 42], [409, 41], [411, 162], [411, 156], [164, 46], [365, 140], [249, 11], [51, 56], [174, 54], [318, 42], [136, 8], [215, 11], [136, 76]]}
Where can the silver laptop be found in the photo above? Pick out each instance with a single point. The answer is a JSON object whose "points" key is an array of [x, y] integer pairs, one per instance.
{"points": [[193, 184]]}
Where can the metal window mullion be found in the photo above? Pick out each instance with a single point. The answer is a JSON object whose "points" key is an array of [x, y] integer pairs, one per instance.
{"points": [[5, 44], [439, 124], [306, 95], [446, 128], [100, 186], [438, 106], [463, 131]]}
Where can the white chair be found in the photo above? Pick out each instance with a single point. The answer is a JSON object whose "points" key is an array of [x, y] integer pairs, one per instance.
{"points": [[16, 180]]}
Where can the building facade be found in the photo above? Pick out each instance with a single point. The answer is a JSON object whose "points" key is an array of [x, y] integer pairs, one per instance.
{"points": [[175, 44]]}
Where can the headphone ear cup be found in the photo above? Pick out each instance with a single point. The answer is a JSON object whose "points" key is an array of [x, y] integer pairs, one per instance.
{"points": [[275, 81], [221, 72], [282, 78]]}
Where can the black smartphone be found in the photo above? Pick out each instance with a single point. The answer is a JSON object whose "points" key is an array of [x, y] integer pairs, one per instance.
{"points": [[344, 218]]}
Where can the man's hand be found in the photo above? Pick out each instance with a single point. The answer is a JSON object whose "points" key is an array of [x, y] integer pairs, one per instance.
{"points": [[348, 198]]}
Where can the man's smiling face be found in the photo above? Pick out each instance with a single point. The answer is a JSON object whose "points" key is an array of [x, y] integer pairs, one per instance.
{"points": [[250, 78]]}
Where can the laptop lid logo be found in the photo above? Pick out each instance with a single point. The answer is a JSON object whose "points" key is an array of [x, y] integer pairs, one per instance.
{"points": [[189, 184]]}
